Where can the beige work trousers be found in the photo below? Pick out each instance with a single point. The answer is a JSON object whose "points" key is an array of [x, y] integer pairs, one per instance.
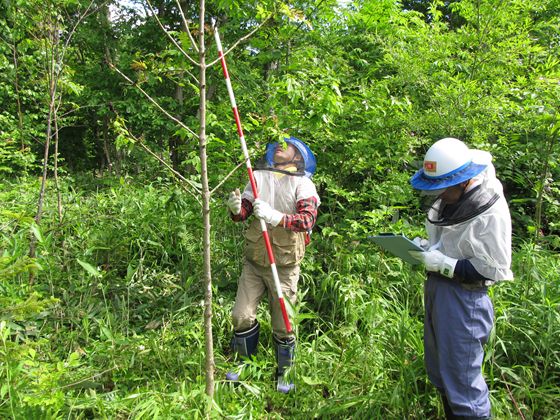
{"points": [[253, 283]]}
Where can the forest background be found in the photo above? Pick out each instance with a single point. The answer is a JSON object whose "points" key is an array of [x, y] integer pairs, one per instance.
{"points": [[118, 261]]}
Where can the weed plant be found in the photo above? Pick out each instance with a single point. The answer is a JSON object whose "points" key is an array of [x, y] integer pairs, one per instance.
{"points": [[112, 325]]}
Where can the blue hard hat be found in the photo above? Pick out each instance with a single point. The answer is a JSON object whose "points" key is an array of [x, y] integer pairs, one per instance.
{"points": [[308, 157], [447, 163]]}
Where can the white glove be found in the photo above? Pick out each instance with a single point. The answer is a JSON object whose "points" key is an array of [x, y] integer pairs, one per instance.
{"points": [[421, 242], [436, 261], [264, 211], [234, 202]]}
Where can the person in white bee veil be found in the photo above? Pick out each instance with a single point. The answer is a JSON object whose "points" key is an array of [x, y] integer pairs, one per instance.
{"points": [[468, 250]]}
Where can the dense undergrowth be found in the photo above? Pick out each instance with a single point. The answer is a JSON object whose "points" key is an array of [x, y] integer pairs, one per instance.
{"points": [[106, 322]]}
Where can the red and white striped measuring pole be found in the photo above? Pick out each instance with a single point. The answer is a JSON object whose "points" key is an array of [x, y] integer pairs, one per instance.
{"points": [[252, 181]]}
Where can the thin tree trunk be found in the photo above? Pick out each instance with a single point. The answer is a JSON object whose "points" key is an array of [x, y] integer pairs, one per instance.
{"points": [[57, 184], [542, 187], [206, 218], [54, 57], [38, 215], [174, 140], [17, 89], [106, 143], [18, 94]]}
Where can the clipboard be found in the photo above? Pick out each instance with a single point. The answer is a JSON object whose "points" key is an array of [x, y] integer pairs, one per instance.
{"points": [[397, 245]]}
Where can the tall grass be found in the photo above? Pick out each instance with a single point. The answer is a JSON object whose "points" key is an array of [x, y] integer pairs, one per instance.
{"points": [[525, 360], [112, 327]]}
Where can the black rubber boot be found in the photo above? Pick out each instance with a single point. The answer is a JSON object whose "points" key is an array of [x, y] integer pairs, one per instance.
{"points": [[244, 346], [285, 350]]}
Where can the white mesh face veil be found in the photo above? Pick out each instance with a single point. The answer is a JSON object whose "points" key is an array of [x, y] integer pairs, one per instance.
{"points": [[487, 178], [281, 191], [308, 163], [484, 240]]}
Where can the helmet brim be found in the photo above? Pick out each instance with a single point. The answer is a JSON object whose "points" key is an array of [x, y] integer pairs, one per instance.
{"points": [[421, 181]]}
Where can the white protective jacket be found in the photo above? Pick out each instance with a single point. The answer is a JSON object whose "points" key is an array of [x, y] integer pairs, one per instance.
{"points": [[485, 240], [282, 191]]}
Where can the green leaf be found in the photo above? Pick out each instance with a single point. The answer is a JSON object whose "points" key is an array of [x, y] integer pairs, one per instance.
{"points": [[311, 381], [89, 268], [36, 232]]}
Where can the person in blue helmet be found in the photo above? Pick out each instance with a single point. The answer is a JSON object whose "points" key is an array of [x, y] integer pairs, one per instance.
{"points": [[468, 250], [288, 203]]}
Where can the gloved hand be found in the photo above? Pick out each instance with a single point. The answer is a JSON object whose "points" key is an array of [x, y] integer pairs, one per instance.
{"points": [[436, 261], [421, 242], [264, 211], [234, 202]]}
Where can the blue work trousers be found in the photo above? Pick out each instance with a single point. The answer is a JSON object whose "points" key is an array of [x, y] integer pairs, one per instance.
{"points": [[457, 324]]}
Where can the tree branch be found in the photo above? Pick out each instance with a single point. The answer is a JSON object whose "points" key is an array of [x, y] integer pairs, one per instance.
{"points": [[171, 38], [81, 17], [153, 101], [227, 176], [186, 23], [177, 174], [512, 397], [239, 41]]}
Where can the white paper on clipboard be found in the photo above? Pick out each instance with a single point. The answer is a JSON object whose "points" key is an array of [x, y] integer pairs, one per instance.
{"points": [[397, 245]]}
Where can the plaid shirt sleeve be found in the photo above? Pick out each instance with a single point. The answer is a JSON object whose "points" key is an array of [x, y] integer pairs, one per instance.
{"points": [[302, 221], [304, 218], [246, 211]]}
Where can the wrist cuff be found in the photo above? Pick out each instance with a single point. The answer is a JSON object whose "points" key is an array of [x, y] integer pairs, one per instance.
{"points": [[447, 268], [276, 217]]}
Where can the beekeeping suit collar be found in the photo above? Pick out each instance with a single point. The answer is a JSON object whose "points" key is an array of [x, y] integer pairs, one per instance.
{"points": [[291, 168]]}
